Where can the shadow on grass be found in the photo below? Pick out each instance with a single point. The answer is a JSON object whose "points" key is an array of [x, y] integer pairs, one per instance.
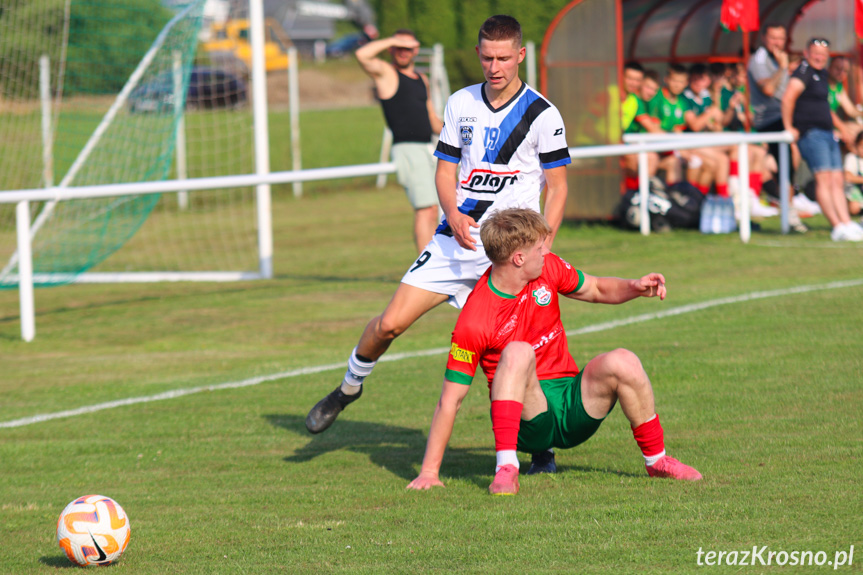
{"points": [[591, 470], [399, 450], [57, 562]]}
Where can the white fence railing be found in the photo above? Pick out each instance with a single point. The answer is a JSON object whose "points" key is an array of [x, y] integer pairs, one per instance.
{"points": [[649, 143], [644, 143]]}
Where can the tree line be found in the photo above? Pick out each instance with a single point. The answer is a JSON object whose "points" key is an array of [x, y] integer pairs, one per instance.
{"points": [[455, 23]]}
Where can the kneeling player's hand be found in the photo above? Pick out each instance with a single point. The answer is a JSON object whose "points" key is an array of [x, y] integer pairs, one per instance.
{"points": [[425, 481], [652, 285]]}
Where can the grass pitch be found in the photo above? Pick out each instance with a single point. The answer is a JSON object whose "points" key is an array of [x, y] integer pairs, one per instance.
{"points": [[762, 395]]}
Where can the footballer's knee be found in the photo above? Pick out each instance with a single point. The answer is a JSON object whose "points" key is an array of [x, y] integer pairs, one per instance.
{"points": [[615, 368], [388, 328], [518, 355]]}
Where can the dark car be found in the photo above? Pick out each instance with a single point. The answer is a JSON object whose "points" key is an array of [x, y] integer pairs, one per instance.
{"points": [[208, 88], [346, 45]]}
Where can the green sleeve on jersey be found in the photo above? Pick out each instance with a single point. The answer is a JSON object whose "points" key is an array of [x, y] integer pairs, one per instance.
{"points": [[458, 377], [580, 282]]}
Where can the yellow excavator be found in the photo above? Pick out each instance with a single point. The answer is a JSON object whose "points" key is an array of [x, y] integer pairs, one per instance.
{"points": [[233, 36]]}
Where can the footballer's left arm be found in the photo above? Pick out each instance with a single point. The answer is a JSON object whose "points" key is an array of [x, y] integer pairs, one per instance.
{"points": [[616, 290], [555, 199]]}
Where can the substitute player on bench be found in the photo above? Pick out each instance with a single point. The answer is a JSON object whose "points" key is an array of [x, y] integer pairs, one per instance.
{"points": [[511, 327], [502, 143]]}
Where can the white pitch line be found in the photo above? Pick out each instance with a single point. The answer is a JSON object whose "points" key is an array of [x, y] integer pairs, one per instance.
{"points": [[422, 353]]}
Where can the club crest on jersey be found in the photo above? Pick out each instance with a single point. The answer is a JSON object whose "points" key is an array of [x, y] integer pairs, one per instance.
{"points": [[466, 135], [542, 296], [489, 182]]}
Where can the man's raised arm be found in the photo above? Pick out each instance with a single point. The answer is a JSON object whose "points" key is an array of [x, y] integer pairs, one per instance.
{"points": [[375, 67]]}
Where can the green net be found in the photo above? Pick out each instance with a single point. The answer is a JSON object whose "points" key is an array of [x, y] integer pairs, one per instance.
{"points": [[119, 75]]}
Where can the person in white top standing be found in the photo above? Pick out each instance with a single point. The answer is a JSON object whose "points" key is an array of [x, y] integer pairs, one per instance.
{"points": [[501, 145]]}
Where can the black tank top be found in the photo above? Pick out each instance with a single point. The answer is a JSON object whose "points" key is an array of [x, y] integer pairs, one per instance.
{"points": [[406, 112]]}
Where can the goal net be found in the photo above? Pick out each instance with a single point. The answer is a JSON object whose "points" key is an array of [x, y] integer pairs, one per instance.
{"points": [[114, 91]]}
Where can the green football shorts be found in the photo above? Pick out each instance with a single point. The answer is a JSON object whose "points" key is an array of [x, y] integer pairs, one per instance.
{"points": [[565, 424]]}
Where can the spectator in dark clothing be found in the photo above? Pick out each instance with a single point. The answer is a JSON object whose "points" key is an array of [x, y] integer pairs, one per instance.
{"points": [[806, 114]]}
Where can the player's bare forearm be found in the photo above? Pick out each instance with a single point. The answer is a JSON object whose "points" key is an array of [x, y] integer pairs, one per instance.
{"points": [[439, 435], [611, 290], [556, 191], [789, 101]]}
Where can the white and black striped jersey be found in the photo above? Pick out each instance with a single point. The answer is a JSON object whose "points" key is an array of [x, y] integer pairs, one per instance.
{"points": [[502, 152]]}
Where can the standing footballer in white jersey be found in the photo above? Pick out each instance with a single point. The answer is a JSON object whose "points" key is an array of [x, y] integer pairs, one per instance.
{"points": [[502, 143]]}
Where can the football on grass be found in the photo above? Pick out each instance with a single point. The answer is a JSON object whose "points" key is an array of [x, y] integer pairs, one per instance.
{"points": [[93, 530]]}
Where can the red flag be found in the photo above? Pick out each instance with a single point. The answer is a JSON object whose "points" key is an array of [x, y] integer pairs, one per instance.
{"points": [[742, 15], [858, 20]]}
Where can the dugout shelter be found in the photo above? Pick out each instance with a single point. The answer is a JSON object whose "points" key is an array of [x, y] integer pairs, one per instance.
{"points": [[582, 56]]}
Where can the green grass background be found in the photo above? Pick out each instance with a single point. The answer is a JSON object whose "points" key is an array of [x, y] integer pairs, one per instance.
{"points": [[762, 396]]}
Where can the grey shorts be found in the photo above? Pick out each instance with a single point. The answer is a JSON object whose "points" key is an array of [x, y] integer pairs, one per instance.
{"points": [[415, 170]]}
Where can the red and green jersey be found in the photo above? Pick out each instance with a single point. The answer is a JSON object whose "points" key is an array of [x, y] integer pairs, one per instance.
{"points": [[668, 112], [491, 319]]}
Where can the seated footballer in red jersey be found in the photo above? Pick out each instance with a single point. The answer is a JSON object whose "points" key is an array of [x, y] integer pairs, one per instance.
{"points": [[511, 327]]}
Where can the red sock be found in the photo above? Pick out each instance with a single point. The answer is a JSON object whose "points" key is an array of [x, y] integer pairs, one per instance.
{"points": [[722, 190], [630, 183], [755, 181], [649, 437], [701, 188], [505, 418], [733, 169]]}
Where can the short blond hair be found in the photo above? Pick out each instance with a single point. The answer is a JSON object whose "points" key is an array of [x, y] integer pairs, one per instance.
{"points": [[507, 231]]}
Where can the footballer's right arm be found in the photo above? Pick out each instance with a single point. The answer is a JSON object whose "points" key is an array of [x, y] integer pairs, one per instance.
{"points": [[441, 430], [445, 179]]}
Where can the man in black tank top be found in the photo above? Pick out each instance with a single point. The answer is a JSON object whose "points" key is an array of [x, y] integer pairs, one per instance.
{"points": [[409, 113]]}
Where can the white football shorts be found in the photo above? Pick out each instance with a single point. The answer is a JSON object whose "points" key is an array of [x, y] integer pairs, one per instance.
{"points": [[446, 268]]}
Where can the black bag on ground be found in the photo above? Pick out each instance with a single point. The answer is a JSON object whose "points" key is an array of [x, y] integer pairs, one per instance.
{"points": [[686, 209], [678, 207]]}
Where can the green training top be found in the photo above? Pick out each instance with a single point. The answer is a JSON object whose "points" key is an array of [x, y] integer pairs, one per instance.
{"points": [[669, 114]]}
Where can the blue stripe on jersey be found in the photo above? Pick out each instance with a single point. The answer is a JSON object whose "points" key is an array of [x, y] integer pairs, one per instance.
{"points": [[446, 158], [510, 122], [556, 164], [468, 205], [476, 209]]}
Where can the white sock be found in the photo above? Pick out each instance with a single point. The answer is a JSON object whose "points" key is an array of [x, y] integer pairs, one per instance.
{"points": [[651, 459], [357, 372], [506, 457]]}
